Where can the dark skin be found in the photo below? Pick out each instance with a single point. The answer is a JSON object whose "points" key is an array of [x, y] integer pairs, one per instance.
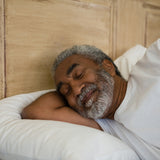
{"points": [[52, 106], [70, 85]]}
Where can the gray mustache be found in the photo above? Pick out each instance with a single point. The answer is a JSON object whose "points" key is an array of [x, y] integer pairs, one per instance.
{"points": [[84, 91]]}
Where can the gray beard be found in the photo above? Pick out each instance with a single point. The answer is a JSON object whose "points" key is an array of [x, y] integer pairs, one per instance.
{"points": [[97, 109]]}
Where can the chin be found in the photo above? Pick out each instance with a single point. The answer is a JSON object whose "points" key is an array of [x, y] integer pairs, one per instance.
{"points": [[97, 112]]}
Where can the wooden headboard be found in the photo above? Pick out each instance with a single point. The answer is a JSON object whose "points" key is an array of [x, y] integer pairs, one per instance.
{"points": [[33, 32]]}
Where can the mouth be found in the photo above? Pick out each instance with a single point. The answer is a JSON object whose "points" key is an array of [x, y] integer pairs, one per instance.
{"points": [[89, 96]]}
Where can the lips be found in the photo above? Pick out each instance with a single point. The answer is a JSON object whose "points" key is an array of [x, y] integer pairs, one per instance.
{"points": [[87, 97]]}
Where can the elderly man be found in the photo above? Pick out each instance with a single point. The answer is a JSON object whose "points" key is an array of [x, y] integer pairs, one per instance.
{"points": [[92, 86]]}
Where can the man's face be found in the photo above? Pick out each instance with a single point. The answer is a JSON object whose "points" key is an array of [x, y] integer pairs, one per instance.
{"points": [[87, 87]]}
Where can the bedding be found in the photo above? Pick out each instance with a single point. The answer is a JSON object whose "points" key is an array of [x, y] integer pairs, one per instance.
{"points": [[22, 139]]}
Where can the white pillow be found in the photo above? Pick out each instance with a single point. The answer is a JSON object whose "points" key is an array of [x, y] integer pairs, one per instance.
{"points": [[129, 59], [53, 140]]}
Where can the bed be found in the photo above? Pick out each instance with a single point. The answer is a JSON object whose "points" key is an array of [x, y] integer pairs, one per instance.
{"points": [[32, 33]]}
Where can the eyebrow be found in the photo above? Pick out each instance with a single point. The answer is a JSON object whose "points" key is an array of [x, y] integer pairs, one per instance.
{"points": [[70, 69]]}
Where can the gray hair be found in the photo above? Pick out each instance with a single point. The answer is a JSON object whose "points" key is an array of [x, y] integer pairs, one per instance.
{"points": [[88, 51]]}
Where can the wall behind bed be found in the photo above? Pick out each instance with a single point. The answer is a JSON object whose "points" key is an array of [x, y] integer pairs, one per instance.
{"points": [[33, 32]]}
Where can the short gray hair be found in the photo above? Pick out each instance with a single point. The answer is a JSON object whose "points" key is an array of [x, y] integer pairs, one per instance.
{"points": [[88, 51]]}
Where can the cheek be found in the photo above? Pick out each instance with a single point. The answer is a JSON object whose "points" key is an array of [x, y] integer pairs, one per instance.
{"points": [[91, 76]]}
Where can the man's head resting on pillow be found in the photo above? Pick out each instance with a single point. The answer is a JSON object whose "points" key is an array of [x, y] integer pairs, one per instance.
{"points": [[90, 81]]}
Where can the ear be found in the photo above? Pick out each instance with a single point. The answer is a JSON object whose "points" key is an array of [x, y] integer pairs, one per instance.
{"points": [[109, 67]]}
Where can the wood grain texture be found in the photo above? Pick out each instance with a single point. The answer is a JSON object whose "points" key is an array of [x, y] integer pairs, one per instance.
{"points": [[36, 31], [130, 25], [138, 22], [2, 51], [152, 18], [152, 28]]}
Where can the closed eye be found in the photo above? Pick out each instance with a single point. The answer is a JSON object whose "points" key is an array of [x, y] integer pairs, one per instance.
{"points": [[79, 76], [67, 93]]}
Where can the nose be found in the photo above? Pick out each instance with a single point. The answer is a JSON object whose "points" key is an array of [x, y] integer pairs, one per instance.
{"points": [[77, 88]]}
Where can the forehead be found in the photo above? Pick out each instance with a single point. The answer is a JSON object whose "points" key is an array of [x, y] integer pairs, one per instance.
{"points": [[69, 61]]}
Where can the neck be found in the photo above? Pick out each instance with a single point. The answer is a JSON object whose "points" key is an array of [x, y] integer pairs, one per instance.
{"points": [[119, 92]]}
